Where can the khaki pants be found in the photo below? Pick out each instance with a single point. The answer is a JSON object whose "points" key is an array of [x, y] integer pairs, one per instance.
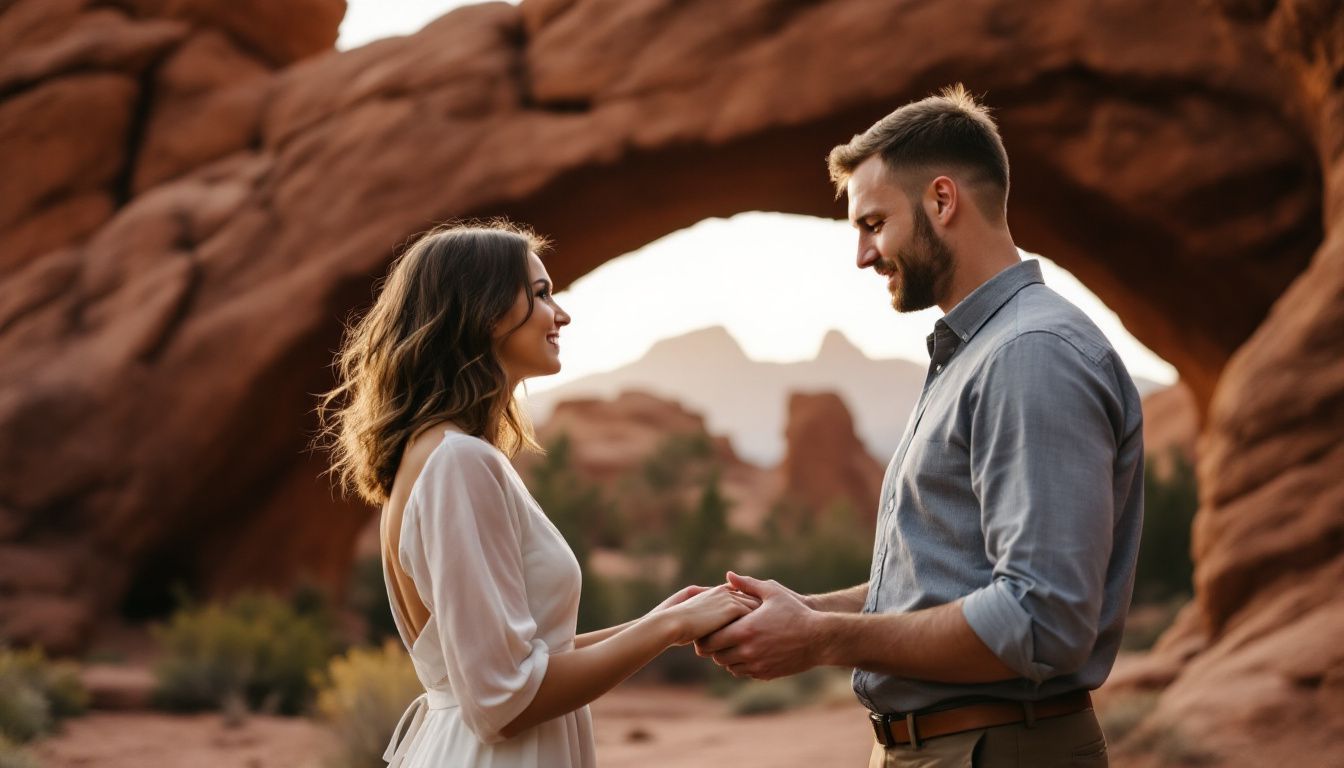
{"points": [[1071, 740]]}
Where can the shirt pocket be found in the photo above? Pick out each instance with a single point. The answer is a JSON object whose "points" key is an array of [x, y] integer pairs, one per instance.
{"points": [[937, 479], [937, 459]]}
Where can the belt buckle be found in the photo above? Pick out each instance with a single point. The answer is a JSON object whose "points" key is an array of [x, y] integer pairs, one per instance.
{"points": [[882, 729]]}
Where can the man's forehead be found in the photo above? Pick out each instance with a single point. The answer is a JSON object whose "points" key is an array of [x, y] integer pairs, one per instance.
{"points": [[871, 188]]}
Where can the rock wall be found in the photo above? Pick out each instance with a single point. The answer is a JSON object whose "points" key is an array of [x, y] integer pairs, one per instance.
{"points": [[195, 196]]}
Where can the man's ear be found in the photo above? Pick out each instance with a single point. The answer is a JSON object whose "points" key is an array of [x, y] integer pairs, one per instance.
{"points": [[942, 200]]}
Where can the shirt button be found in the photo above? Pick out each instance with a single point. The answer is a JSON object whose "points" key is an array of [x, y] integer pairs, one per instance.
{"points": [[938, 368]]}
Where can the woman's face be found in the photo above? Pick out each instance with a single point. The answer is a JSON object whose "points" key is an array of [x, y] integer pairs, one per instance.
{"points": [[533, 349]]}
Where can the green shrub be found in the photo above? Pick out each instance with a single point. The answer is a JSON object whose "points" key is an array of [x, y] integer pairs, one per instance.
{"points": [[760, 697], [362, 695], [24, 713], [14, 756], [815, 554], [368, 597], [581, 512], [257, 648], [35, 693], [1170, 499], [1123, 713]]}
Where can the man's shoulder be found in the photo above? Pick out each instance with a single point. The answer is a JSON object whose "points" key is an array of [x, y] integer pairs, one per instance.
{"points": [[1039, 314]]}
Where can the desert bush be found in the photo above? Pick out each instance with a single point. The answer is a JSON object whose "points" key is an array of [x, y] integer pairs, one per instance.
{"points": [[816, 553], [760, 697], [1123, 713], [14, 756], [362, 695], [585, 518], [24, 713], [36, 693], [1170, 499], [259, 649], [704, 544], [368, 598]]}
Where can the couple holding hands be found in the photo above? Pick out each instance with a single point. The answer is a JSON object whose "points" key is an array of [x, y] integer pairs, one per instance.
{"points": [[1007, 530]]}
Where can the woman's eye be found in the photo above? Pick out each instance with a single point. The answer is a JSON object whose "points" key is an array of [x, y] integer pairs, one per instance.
{"points": [[544, 295]]}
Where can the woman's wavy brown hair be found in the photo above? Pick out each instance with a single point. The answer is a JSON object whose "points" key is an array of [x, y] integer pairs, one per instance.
{"points": [[426, 352]]}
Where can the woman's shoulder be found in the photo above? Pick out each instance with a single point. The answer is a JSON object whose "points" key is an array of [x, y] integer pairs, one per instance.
{"points": [[457, 456], [453, 445]]}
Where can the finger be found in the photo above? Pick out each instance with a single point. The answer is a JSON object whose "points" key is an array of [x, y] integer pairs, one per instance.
{"points": [[729, 657], [750, 601], [753, 587], [718, 641]]}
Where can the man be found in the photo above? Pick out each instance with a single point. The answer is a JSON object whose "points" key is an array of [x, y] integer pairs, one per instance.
{"points": [[1010, 515]]}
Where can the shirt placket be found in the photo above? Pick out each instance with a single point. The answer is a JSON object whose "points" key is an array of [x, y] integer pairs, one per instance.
{"points": [[942, 344]]}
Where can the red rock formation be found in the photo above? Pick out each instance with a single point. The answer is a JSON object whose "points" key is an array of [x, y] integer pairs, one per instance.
{"points": [[169, 306], [99, 102], [610, 439], [825, 462]]}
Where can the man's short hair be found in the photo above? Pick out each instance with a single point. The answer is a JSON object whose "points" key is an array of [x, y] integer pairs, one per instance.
{"points": [[929, 137]]}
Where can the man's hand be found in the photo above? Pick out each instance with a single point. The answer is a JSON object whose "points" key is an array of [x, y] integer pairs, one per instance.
{"points": [[777, 639]]}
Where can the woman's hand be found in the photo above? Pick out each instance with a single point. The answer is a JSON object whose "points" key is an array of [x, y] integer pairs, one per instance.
{"points": [[707, 610], [680, 596]]}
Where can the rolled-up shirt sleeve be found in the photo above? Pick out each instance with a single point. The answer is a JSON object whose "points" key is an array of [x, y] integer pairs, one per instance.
{"points": [[1041, 465], [470, 522]]}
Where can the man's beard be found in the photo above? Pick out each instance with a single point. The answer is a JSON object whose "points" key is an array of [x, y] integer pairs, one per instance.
{"points": [[926, 268]]}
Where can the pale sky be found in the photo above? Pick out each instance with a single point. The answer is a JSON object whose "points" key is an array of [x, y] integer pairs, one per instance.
{"points": [[777, 282]]}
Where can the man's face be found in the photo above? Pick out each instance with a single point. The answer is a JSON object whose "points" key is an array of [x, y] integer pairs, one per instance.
{"points": [[897, 239]]}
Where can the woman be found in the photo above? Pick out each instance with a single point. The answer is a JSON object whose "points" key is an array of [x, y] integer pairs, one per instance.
{"points": [[483, 588]]}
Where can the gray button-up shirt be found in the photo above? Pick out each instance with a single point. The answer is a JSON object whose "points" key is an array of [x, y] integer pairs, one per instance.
{"points": [[1018, 485]]}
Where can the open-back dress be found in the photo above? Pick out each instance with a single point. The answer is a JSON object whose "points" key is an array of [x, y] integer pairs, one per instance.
{"points": [[502, 589]]}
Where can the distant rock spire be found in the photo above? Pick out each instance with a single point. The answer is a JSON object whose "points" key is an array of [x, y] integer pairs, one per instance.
{"points": [[836, 347]]}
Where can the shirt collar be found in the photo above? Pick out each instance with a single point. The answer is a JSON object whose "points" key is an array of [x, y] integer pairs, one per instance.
{"points": [[972, 312]]}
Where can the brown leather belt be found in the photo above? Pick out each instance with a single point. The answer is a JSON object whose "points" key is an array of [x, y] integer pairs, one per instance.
{"points": [[914, 727]]}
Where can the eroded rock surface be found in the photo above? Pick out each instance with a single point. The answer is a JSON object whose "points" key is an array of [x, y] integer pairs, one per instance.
{"points": [[197, 193]]}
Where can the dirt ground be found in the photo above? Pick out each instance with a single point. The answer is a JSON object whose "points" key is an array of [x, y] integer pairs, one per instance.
{"points": [[636, 725]]}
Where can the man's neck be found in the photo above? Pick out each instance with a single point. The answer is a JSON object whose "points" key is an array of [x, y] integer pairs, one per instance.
{"points": [[977, 263]]}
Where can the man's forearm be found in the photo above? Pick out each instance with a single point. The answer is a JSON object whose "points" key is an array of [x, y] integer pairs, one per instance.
{"points": [[842, 601], [936, 644]]}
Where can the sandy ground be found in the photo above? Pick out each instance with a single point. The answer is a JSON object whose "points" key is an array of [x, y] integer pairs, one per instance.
{"points": [[636, 725], [154, 740], [673, 728]]}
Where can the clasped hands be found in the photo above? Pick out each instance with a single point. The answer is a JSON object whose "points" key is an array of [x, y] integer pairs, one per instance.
{"points": [[776, 639]]}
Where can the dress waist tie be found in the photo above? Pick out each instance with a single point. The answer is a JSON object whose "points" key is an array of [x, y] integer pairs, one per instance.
{"points": [[410, 723]]}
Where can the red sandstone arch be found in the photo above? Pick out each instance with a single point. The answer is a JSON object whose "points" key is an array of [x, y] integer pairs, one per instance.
{"points": [[169, 305]]}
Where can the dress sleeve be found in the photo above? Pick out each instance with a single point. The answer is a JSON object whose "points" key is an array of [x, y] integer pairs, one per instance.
{"points": [[468, 519], [1043, 468]]}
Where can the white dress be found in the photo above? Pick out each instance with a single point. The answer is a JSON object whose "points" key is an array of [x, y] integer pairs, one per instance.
{"points": [[502, 588]]}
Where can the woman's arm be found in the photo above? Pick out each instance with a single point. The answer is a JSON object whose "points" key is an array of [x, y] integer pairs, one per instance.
{"points": [[575, 678], [598, 635]]}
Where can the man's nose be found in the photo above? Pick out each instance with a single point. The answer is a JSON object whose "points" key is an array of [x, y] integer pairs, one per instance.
{"points": [[867, 256]]}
